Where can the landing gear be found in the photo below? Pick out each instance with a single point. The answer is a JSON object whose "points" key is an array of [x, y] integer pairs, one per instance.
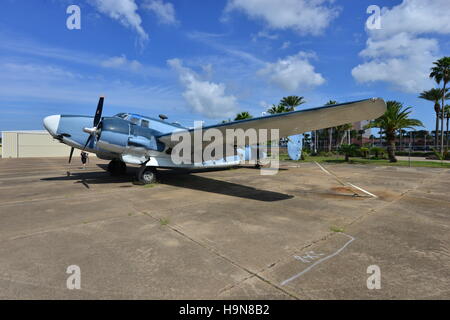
{"points": [[146, 175], [117, 168], [258, 163]]}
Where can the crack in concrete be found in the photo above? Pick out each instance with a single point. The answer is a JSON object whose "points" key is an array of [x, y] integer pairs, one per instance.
{"points": [[330, 235], [217, 253]]}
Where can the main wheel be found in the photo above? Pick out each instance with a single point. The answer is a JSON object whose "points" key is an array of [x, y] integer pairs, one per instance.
{"points": [[147, 175], [117, 167]]}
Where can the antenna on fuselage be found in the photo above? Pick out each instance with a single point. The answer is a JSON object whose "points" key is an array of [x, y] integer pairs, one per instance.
{"points": [[163, 117]]}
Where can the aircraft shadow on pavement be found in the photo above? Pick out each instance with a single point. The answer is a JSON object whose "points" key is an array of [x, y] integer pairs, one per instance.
{"points": [[202, 183], [180, 179]]}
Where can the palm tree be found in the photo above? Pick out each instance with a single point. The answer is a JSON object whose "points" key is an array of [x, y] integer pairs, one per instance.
{"points": [[396, 117], [372, 138], [243, 115], [348, 150], [330, 130], [278, 109], [434, 95], [441, 72], [342, 131], [447, 117], [361, 136], [422, 134], [307, 140], [401, 134], [291, 102]]}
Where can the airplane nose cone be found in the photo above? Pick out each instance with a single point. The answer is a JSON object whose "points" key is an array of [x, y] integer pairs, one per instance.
{"points": [[51, 123]]}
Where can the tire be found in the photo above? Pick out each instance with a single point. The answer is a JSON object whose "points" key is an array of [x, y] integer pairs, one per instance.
{"points": [[147, 175], [122, 168]]}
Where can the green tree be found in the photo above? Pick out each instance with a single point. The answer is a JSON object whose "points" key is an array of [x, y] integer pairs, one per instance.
{"points": [[307, 140], [441, 73], [291, 102], [349, 150], [243, 115], [377, 151], [396, 117], [364, 151], [435, 95]]}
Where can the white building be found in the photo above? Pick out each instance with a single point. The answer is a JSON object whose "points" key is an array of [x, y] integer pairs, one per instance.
{"points": [[31, 143]]}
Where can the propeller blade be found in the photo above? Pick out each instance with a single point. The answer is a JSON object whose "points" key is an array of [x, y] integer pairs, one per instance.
{"points": [[98, 112], [71, 154], [87, 142]]}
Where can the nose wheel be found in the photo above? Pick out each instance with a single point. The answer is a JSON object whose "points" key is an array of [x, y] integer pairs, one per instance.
{"points": [[117, 168], [146, 175]]}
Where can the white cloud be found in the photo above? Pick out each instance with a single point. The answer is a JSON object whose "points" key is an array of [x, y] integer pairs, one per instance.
{"points": [[265, 35], [22, 71], [164, 11], [303, 16], [66, 90], [415, 17], [207, 69], [205, 97], [399, 45], [125, 11], [400, 53], [285, 45], [408, 73], [36, 50], [293, 72], [121, 62], [215, 41]]}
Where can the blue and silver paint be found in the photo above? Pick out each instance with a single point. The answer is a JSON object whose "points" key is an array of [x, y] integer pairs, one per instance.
{"points": [[124, 138]]}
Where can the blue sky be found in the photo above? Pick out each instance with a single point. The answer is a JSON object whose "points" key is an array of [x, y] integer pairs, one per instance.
{"points": [[207, 60]]}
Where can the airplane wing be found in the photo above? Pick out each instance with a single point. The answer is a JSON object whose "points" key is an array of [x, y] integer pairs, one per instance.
{"points": [[300, 121]]}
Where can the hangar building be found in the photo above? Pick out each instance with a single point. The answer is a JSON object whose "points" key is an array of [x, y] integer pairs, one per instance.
{"points": [[32, 143]]}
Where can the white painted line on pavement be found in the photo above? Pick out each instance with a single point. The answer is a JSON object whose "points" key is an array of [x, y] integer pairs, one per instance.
{"points": [[361, 189], [345, 183], [319, 261]]}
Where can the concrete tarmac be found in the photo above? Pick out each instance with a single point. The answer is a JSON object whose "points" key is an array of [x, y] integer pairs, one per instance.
{"points": [[228, 234]]}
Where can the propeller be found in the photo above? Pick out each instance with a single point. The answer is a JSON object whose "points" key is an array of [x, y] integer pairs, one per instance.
{"points": [[71, 154], [97, 119], [98, 112]]}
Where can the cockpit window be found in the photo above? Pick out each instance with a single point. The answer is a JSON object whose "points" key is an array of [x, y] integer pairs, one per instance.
{"points": [[145, 123], [134, 120], [121, 115]]}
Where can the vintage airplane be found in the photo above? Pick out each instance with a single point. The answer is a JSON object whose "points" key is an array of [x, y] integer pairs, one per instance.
{"points": [[128, 138]]}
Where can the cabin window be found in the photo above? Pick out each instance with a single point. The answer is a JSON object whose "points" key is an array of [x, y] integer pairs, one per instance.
{"points": [[145, 123]]}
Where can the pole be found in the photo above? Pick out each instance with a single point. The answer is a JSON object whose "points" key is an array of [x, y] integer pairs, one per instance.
{"points": [[442, 121], [315, 141], [331, 139], [410, 145]]}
